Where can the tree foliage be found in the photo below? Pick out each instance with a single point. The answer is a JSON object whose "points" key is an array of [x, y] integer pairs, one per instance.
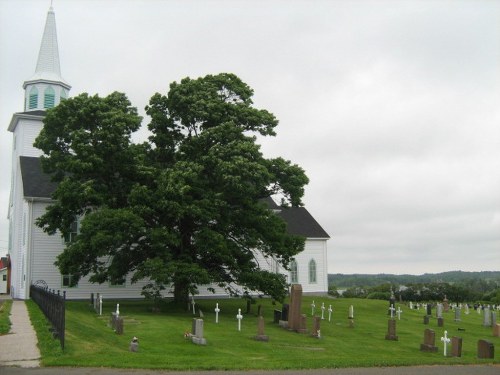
{"points": [[183, 209]]}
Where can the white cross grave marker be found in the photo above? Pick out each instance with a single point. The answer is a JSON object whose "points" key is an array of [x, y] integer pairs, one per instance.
{"points": [[392, 308], [117, 309], [445, 340], [323, 311], [330, 312], [312, 308], [239, 317], [100, 305], [192, 304], [399, 311], [217, 310], [351, 312]]}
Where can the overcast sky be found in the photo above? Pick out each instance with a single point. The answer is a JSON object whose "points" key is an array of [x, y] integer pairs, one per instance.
{"points": [[391, 107]]}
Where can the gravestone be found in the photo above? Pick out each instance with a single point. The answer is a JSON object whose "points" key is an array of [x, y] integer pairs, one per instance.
{"points": [[458, 312], [134, 345], [496, 330], [493, 318], [277, 316], [259, 310], [193, 326], [285, 311], [485, 349], [456, 346], [429, 309], [439, 310], [316, 330], [119, 325], [198, 338], [261, 336], [440, 322], [426, 319], [486, 317], [302, 324], [294, 315], [391, 330], [429, 344], [446, 306]]}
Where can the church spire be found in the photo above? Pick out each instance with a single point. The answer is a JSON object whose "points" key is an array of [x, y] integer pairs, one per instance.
{"points": [[46, 87]]}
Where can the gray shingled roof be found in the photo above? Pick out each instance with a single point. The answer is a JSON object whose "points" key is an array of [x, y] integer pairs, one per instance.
{"points": [[36, 183], [300, 222]]}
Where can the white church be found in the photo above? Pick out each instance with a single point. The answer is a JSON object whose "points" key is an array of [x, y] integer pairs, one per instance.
{"points": [[33, 253]]}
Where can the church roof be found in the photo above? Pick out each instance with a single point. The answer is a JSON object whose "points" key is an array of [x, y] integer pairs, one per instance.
{"points": [[48, 67], [300, 222], [36, 183]]}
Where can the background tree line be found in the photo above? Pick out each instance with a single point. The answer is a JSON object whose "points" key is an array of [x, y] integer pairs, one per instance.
{"points": [[457, 286]]}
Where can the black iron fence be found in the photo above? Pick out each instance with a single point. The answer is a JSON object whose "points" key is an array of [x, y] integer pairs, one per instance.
{"points": [[53, 307]]}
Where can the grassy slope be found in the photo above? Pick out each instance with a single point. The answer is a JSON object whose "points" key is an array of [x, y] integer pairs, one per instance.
{"points": [[5, 307], [89, 342]]}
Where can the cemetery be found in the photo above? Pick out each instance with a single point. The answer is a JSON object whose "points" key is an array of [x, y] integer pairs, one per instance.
{"points": [[305, 332]]}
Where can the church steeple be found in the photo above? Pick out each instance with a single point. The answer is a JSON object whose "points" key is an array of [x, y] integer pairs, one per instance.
{"points": [[46, 87]]}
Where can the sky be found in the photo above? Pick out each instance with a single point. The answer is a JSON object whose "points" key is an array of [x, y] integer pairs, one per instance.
{"points": [[391, 107]]}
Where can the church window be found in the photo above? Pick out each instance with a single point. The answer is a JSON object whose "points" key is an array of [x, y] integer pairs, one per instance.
{"points": [[312, 271], [69, 281], [49, 97], [64, 94], [33, 99], [73, 232], [294, 275]]}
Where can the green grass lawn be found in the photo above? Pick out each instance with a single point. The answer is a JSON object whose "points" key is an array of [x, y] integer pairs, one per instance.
{"points": [[5, 306], [90, 342]]}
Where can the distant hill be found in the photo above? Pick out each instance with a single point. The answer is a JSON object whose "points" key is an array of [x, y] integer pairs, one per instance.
{"points": [[359, 280]]}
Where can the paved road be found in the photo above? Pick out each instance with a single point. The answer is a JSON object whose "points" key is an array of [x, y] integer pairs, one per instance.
{"points": [[416, 370]]}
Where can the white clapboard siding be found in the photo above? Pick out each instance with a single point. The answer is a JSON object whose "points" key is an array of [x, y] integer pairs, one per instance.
{"points": [[25, 135]]}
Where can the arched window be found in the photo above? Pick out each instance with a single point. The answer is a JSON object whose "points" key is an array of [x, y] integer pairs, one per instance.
{"points": [[64, 94], [33, 102], [294, 274], [312, 271], [49, 97]]}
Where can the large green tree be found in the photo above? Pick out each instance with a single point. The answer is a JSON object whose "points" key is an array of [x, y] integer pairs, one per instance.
{"points": [[183, 209]]}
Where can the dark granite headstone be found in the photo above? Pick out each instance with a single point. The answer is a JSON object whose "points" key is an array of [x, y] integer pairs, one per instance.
{"points": [[456, 346], [440, 322], [485, 349], [429, 341], [285, 311], [429, 309], [277, 316], [426, 319], [496, 330]]}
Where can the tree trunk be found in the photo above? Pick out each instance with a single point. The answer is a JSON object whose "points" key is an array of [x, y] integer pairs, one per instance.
{"points": [[181, 291]]}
